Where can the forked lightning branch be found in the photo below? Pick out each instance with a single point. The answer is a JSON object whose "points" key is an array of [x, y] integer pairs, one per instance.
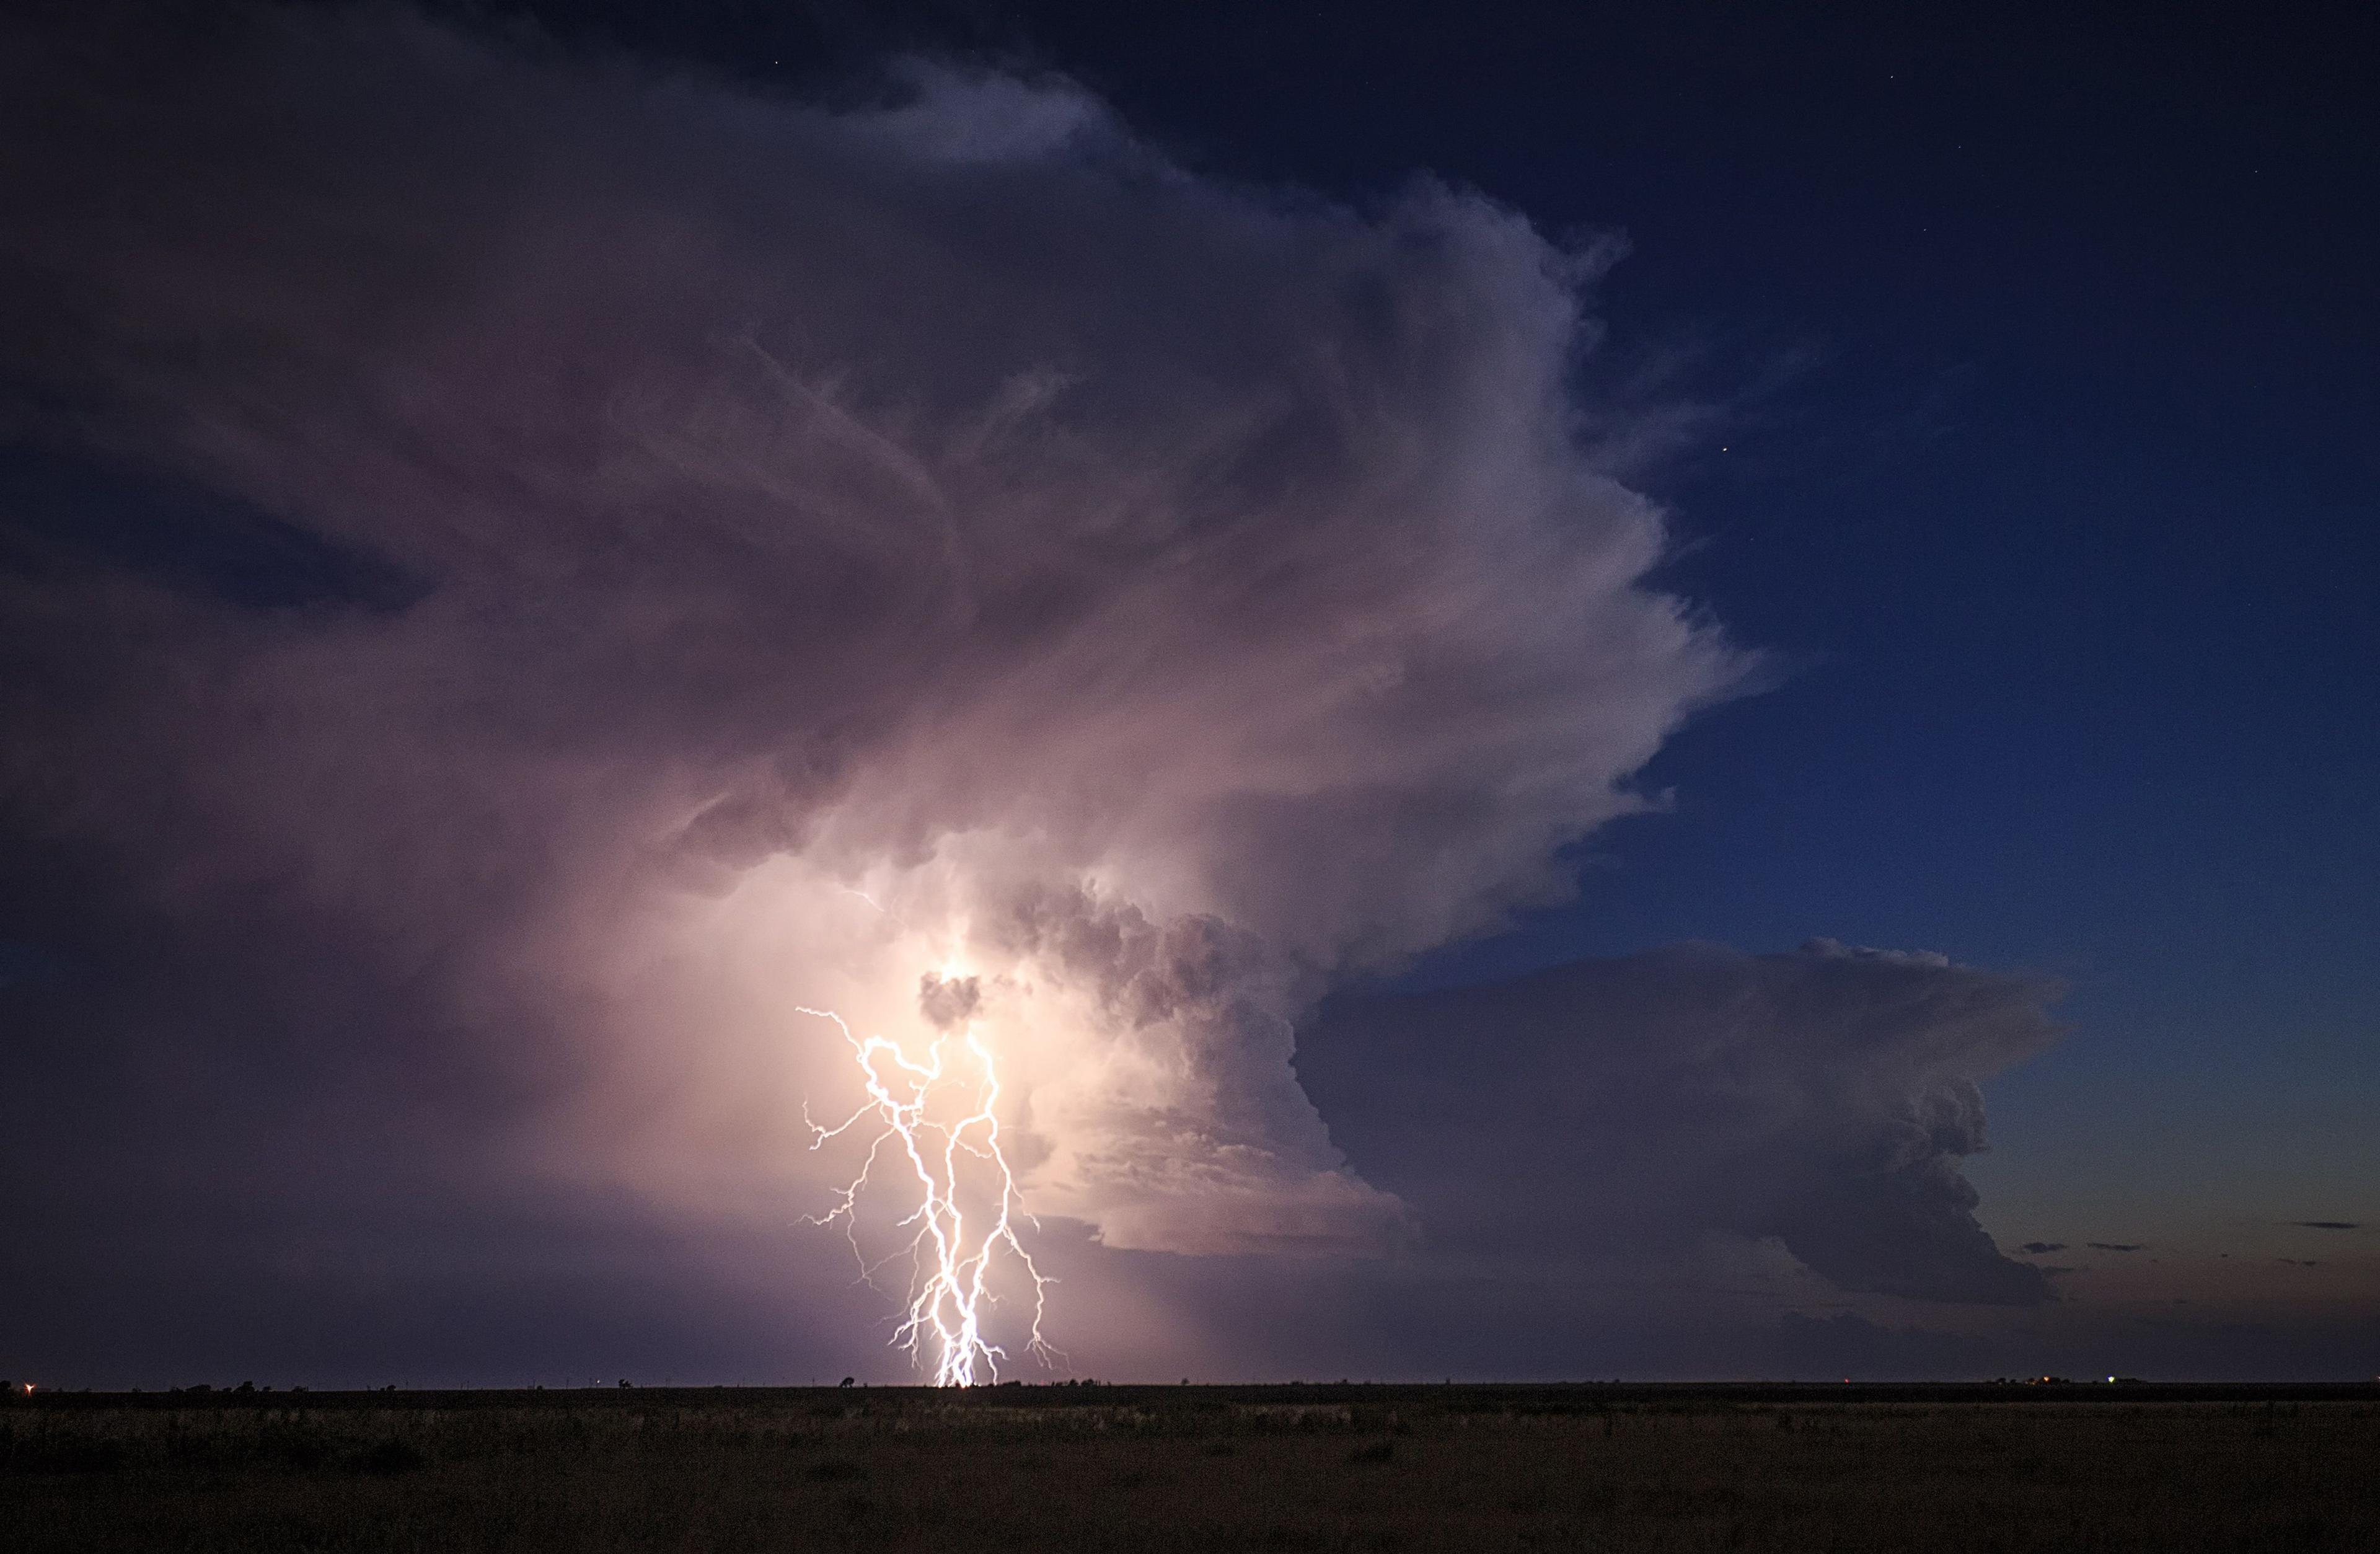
{"points": [[940, 1114]]}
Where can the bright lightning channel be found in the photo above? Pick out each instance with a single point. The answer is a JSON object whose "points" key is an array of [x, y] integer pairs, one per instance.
{"points": [[952, 1261]]}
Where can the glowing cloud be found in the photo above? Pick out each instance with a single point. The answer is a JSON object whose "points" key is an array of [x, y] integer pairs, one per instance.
{"points": [[764, 551]]}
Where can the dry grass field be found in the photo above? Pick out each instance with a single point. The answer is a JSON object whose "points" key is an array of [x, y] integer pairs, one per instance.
{"points": [[1152, 1470]]}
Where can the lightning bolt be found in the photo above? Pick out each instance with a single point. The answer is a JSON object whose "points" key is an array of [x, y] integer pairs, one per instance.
{"points": [[951, 1257]]}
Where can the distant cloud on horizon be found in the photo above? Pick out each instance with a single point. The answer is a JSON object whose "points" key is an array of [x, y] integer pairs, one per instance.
{"points": [[1822, 1099]]}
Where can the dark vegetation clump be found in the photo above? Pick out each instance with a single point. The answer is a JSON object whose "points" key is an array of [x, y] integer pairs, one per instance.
{"points": [[387, 1458], [1172, 1469]]}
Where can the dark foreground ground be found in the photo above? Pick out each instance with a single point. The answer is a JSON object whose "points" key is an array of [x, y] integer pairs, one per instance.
{"points": [[1155, 1469]]}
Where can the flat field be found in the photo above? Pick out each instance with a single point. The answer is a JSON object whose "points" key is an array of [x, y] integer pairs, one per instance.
{"points": [[1149, 1469]]}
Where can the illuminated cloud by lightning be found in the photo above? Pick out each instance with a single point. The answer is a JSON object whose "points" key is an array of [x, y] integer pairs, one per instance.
{"points": [[723, 557]]}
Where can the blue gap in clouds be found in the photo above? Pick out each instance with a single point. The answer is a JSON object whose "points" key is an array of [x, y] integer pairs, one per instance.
{"points": [[62, 512]]}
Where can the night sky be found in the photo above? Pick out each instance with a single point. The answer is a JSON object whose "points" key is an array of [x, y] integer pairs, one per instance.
{"points": [[1576, 691]]}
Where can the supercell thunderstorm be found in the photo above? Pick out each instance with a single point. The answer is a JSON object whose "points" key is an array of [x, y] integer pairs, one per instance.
{"points": [[1163, 596]]}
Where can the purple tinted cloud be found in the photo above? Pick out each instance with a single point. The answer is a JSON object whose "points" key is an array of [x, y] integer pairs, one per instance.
{"points": [[525, 569], [1159, 594]]}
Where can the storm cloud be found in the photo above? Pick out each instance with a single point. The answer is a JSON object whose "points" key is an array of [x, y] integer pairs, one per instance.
{"points": [[693, 553], [520, 571]]}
